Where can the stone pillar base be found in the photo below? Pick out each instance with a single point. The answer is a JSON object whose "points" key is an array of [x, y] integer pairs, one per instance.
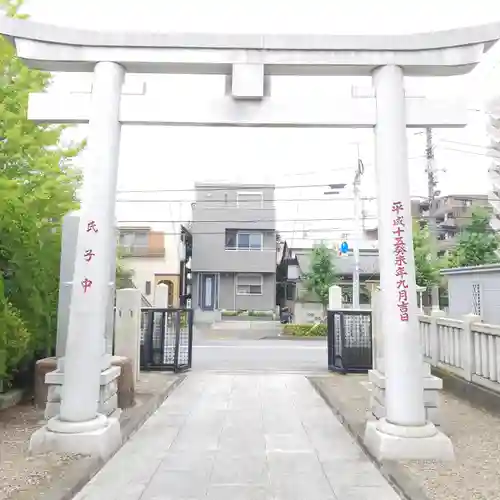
{"points": [[108, 394], [101, 440], [390, 442], [432, 386]]}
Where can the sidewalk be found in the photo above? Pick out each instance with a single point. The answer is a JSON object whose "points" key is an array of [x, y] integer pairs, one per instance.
{"points": [[241, 437]]}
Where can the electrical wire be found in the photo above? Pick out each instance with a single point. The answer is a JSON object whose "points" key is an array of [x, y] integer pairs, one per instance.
{"points": [[235, 186], [254, 221]]}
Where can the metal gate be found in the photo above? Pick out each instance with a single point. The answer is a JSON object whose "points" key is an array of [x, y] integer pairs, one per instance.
{"points": [[350, 341], [166, 339]]}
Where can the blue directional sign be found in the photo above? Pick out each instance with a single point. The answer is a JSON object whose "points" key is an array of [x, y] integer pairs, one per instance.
{"points": [[344, 247]]}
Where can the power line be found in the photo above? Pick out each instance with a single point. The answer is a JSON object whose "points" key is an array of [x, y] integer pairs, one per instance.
{"points": [[236, 186], [476, 153], [305, 237], [469, 144], [238, 221], [222, 204]]}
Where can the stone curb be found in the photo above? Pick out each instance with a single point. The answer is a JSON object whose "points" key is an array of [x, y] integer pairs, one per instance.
{"points": [[402, 482], [475, 394], [284, 336], [80, 474]]}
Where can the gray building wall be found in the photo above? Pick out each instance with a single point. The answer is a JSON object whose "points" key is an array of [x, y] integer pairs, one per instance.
{"points": [[215, 211], [461, 291], [230, 301]]}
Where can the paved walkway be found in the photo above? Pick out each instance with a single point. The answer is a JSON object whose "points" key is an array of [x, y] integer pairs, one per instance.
{"points": [[241, 437]]}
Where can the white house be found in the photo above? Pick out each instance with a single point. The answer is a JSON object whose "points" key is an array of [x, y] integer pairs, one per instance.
{"points": [[157, 257]]}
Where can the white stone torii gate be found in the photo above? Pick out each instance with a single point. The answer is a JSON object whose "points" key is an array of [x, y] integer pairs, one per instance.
{"points": [[248, 61]]}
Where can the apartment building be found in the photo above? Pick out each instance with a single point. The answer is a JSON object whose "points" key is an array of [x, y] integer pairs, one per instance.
{"points": [[452, 214], [234, 248], [157, 257]]}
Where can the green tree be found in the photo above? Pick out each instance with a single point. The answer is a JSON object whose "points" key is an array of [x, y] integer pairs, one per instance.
{"points": [[477, 244], [322, 274], [124, 276], [426, 266], [38, 183]]}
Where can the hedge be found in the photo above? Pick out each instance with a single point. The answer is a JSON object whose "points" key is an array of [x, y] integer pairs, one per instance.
{"points": [[317, 330]]}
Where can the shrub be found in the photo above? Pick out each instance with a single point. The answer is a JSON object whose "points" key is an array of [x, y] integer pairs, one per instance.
{"points": [[261, 314], [14, 340], [317, 330], [230, 313]]}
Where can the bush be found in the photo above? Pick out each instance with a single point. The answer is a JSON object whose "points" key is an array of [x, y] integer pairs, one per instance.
{"points": [[14, 340], [261, 314], [317, 330], [230, 313]]}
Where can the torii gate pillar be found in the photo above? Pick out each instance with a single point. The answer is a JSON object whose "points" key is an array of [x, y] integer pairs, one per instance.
{"points": [[404, 433]]}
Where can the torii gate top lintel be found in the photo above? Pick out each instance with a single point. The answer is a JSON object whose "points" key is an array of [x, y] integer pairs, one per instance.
{"points": [[439, 53]]}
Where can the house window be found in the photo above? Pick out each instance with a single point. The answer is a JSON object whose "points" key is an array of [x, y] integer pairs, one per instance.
{"points": [[244, 240], [250, 199], [231, 237], [134, 239], [476, 299], [147, 288], [249, 284], [249, 241]]}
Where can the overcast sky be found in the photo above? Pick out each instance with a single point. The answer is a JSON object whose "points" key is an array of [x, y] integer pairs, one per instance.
{"points": [[173, 158]]}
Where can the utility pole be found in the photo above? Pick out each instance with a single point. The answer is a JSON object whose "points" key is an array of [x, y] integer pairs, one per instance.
{"points": [[357, 227], [431, 185], [356, 242]]}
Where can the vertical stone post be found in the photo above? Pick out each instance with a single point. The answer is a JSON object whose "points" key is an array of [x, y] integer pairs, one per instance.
{"points": [[67, 267], [79, 427], [161, 296], [334, 298], [434, 337], [468, 345], [404, 432], [53, 380], [128, 327]]}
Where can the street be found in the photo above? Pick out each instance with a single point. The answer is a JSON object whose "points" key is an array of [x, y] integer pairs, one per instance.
{"points": [[259, 350]]}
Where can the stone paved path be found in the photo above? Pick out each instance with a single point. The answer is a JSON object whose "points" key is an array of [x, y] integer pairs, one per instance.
{"points": [[241, 437]]}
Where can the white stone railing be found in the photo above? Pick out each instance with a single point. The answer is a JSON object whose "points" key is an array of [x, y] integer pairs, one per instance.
{"points": [[467, 348]]}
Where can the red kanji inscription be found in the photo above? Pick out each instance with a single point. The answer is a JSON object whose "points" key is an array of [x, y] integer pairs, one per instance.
{"points": [[397, 207], [88, 255], [92, 227], [399, 221], [86, 284], [400, 272], [402, 284], [399, 231]]}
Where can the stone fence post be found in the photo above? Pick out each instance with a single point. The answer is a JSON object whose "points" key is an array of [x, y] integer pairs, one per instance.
{"points": [[434, 336], [128, 327], [467, 344]]}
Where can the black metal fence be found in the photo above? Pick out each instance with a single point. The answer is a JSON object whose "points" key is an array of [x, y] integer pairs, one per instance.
{"points": [[166, 339], [350, 341]]}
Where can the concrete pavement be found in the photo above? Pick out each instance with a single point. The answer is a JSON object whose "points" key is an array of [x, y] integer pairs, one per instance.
{"points": [[241, 437]]}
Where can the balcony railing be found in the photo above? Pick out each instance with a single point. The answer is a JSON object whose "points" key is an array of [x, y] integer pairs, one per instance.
{"points": [[247, 249], [140, 251]]}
